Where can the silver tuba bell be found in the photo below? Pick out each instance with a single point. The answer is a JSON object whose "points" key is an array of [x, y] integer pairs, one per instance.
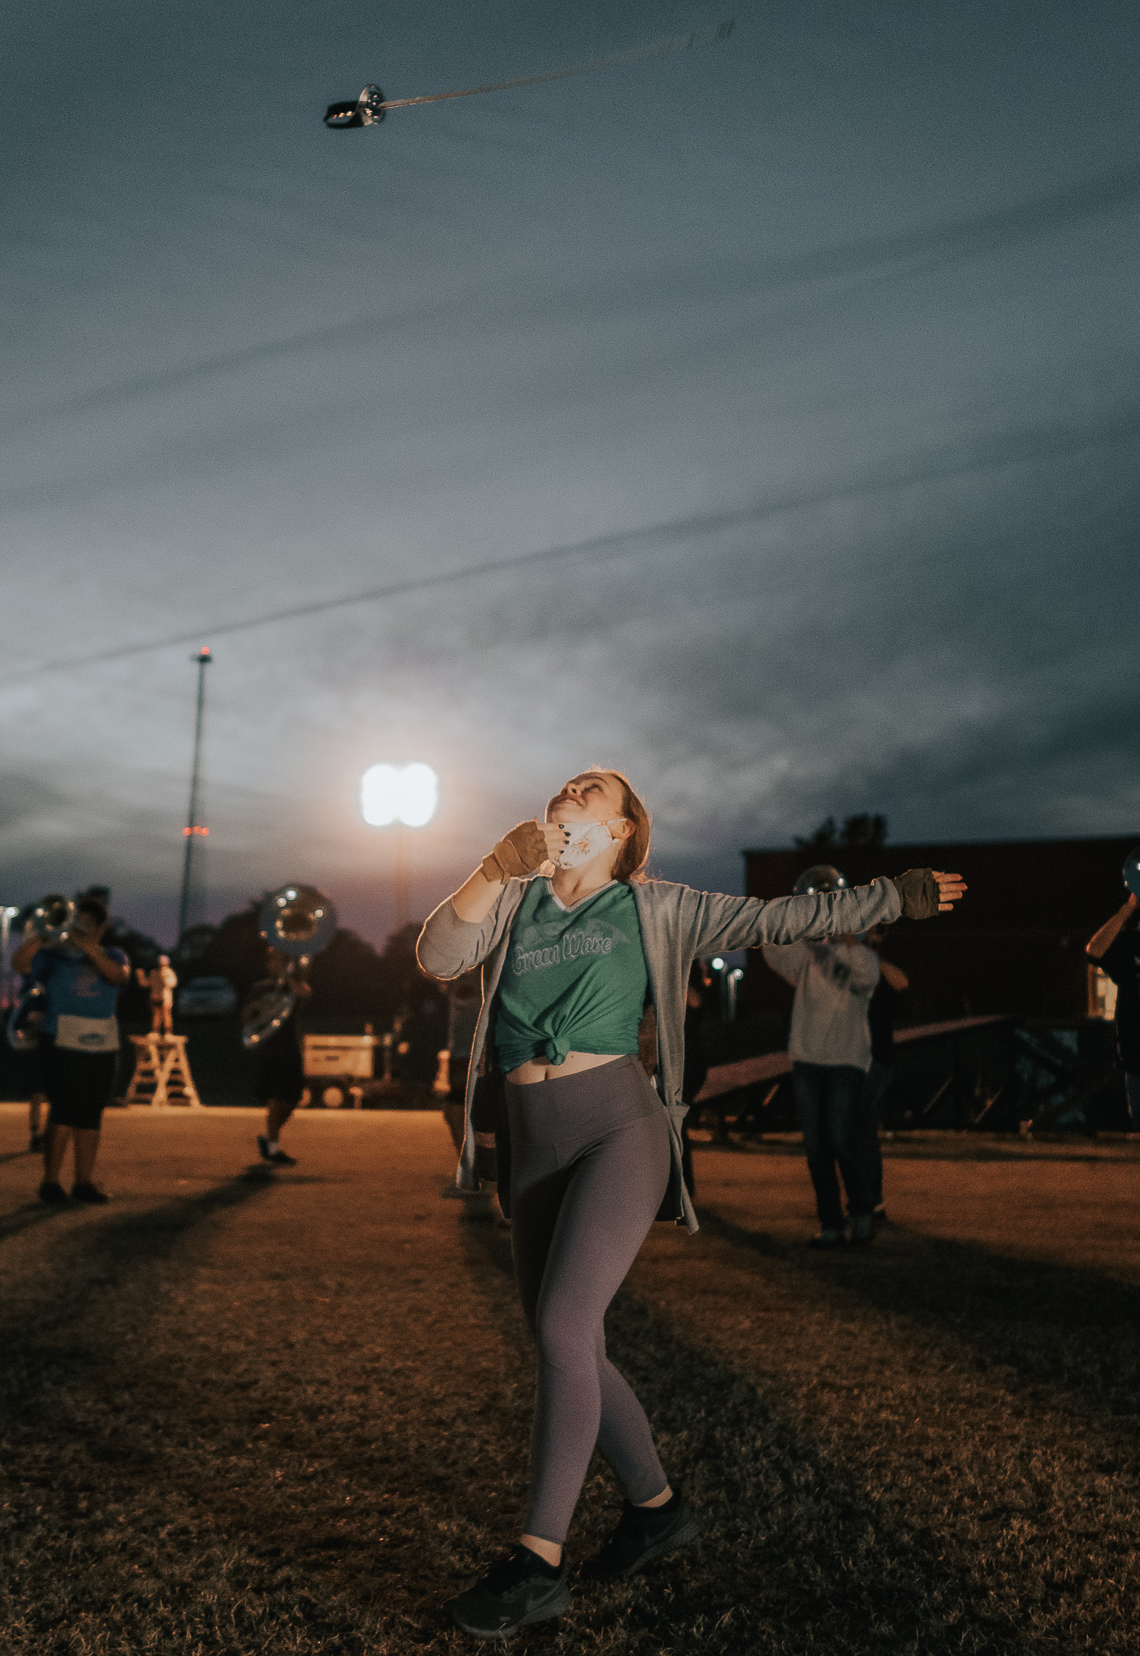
{"points": [[298, 921]]}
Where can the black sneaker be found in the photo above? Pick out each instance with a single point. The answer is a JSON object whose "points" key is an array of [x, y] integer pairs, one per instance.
{"points": [[643, 1534], [52, 1192], [520, 1589], [263, 1146], [89, 1193], [829, 1238], [279, 1158]]}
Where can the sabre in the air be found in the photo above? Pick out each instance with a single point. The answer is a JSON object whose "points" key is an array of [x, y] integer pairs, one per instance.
{"points": [[372, 106]]}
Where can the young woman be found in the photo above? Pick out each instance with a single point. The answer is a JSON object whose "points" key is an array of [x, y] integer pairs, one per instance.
{"points": [[575, 945]]}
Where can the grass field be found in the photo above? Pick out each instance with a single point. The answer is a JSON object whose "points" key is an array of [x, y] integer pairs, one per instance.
{"points": [[289, 1414]]}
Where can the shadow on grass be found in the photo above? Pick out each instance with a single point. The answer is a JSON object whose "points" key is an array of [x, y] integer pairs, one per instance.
{"points": [[951, 1147], [98, 1254], [797, 1556], [33, 1213], [1060, 1326]]}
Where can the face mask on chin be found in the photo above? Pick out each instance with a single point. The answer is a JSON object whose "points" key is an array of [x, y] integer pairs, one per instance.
{"points": [[586, 840]]}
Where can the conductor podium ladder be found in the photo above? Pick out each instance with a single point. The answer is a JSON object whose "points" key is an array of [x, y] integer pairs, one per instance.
{"points": [[162, 1072]]}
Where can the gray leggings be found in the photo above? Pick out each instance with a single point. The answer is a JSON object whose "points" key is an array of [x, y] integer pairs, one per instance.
{"points": [[590, 1163]]}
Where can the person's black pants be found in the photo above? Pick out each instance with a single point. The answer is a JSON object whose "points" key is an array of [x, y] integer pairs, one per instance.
{"points": [[829, 1097]]}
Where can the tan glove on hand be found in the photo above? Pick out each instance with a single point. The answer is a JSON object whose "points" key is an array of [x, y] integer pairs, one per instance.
{"points": [[918, 893], [517, 854]]}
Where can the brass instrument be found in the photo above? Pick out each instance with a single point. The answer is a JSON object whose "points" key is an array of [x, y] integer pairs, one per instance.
{"points": [[298, 921], [1132, 871], [51, 920], [820, 877]]}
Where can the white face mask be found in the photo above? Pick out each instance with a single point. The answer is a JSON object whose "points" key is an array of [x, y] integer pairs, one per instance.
{"points": [[586, 840]]}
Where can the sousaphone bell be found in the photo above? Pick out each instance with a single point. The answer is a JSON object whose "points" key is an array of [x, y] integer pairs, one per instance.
{"points": [[298, 921]]}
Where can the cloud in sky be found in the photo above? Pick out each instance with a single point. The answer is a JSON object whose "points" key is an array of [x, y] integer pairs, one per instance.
{"points": [[762, 421]]}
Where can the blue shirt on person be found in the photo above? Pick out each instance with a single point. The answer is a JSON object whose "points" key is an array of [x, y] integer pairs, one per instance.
{"points": [[72, 987]]}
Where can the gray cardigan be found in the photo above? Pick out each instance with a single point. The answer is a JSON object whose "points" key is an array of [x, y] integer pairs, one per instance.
{"points": [[677, 925]]}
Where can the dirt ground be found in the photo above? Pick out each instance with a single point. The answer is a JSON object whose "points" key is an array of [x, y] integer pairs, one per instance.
{"points": [[247, 1413]]}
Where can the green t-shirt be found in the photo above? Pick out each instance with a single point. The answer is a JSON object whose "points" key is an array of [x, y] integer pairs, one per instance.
{"points": [[574, 979]]}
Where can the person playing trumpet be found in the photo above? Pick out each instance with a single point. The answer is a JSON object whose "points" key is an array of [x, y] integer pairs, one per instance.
{"points": [[575, 943], [79, 1042]]}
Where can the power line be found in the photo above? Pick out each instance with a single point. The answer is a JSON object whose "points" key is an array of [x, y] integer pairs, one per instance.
{"points": [[1007, 449], [972, 236]]}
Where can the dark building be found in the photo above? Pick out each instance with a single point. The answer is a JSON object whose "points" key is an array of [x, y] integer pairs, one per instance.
{"points": [[1015, 944]]}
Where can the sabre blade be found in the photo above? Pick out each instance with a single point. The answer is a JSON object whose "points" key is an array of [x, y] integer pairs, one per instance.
{"points": [[613, 60]]}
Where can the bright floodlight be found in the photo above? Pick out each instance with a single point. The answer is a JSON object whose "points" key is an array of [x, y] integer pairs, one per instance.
{"points": [[399, 793]]}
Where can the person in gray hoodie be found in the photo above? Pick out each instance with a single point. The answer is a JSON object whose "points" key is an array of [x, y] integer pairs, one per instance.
{"points": [[585, 962], [829, 1043]]}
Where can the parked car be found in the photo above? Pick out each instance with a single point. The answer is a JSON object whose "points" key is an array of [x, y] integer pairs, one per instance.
{"points": [[206, 997]]}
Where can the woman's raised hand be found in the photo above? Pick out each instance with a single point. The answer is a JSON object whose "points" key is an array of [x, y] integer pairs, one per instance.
{"points": [[557, 840], [524, 850]]}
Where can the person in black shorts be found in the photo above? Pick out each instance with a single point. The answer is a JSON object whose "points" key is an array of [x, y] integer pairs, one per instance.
{"points": [[280, 1067], [881, 1012], [79, 1042], [1115, 948]]}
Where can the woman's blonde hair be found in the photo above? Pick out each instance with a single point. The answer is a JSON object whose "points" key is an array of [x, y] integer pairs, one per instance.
{"points": [[634, 853]]}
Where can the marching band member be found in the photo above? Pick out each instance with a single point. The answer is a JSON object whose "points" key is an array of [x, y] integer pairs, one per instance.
{"points": [[280, 1066], [829, 1042], [79, 1042]]}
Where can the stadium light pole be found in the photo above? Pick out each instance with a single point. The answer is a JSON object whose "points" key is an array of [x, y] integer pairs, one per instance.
{"points": [[7, 914], [403, 796], [193, 829]]}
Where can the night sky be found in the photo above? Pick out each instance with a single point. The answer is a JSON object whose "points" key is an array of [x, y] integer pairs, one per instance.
{"points": [[811, 356]]}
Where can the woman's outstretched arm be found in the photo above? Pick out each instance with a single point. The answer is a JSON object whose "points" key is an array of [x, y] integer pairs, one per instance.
{"points": [[743, 922]]}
